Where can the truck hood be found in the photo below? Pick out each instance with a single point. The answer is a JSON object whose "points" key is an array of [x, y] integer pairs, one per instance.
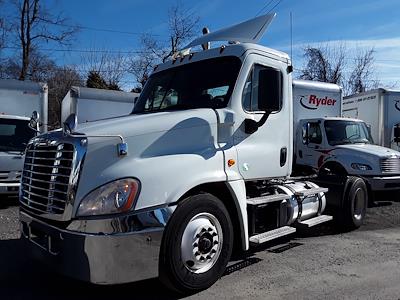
{"points": [[11, 161], [368, 149], [142, 124]]}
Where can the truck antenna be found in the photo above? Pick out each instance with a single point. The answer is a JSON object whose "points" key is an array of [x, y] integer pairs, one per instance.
{"points": [[291, 37]]}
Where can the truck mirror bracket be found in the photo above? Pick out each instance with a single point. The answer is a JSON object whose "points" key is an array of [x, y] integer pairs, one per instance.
{"points": [[251, 126]]}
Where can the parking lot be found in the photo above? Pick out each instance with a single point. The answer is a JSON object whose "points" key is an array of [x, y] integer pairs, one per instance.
{"points": [[319, 264]]}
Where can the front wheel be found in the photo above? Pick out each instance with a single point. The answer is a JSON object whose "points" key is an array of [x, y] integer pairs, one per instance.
{"points": [[197, 244], [355, 203]]}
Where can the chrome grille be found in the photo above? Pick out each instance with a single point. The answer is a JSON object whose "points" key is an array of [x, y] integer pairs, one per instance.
{"points": [[390, 165], [46, 175]]}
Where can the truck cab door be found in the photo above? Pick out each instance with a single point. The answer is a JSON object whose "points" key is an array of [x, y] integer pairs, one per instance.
{"points": [[266, 152], [310, 146]]}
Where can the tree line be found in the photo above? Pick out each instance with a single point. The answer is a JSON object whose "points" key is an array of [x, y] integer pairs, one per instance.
{"points": [[29, 27]]}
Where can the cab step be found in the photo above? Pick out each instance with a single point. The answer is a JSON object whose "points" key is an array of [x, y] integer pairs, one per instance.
{"points": [[309, 192], [271, 235], [267, 199], [314, 221]]}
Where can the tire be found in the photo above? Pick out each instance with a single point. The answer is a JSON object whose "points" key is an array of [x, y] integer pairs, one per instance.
{"points": [[355, 203], [192, 256]]}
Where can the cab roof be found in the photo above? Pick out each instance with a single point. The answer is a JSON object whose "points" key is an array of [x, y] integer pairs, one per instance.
{"points": [[13, 117], [238, 50]]}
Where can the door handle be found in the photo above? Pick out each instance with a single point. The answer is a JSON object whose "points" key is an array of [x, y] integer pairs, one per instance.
{"points": [[283, 156]]}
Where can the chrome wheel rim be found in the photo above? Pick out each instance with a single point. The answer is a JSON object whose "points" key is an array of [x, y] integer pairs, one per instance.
{"points": [[201, 243], [359, 204]]}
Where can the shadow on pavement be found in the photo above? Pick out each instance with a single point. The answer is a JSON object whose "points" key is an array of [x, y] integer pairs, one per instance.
{"points": [[8, 201]]}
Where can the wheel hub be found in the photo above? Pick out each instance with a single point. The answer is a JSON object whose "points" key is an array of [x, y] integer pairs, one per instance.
{"points": [[201, 243]]}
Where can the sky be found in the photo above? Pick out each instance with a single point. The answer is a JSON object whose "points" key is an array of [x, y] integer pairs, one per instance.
{"points": [[357, 24]]}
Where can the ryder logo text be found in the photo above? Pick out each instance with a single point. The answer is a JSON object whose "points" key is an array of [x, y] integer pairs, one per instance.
{"points": [[313, 102]]}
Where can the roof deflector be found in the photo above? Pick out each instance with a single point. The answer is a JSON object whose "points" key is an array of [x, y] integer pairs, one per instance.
{"points": [[250, 31]]}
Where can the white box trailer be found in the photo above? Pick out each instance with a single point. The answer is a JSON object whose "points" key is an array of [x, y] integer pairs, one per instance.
{"points": [[91, 104], [313, 99], [379, 108], [18, 99], [21, 98]]}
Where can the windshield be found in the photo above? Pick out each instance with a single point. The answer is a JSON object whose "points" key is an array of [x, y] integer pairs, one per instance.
{"points": [[14, 134], [347, 132], [204, 84]]}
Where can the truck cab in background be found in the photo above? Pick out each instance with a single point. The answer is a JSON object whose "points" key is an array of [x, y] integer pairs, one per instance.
{"points": [[18, 100], [15, 134], [326, 143]]}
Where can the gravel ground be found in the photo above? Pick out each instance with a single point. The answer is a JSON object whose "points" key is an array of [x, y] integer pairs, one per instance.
{"points": [[319, 264]]}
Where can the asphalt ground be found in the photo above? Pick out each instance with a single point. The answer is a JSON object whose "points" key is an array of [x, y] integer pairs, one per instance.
{"points": [[321, 263]]}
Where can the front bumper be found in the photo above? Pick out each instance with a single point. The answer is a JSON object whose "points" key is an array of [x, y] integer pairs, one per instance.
{"points": [[101, 251], [383, 183], [9, 188]]}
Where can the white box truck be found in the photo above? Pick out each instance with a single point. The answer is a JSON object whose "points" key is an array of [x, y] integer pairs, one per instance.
{"points": [[18, 100], [327, 143], [200, 168], [91, 104], [380, 109]]}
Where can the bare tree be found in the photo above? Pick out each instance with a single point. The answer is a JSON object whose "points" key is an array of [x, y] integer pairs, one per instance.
{"points": [[334, 64], [60, 82], [142, 65], [324, 64], [182, 25], [112, 67], [35, 24], [2, 29], [361, 77]]}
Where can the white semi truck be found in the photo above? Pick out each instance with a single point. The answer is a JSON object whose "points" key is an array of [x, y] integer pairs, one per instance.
{"points": [[380, 109], [200, 168], [91, 104], [18, 99]]}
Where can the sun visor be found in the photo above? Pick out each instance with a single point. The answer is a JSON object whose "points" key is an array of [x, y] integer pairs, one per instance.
{"points": [[250, 31]]}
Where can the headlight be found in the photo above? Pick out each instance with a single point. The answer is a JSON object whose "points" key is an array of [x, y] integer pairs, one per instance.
{"points": [[114, 197], [361, 167]]}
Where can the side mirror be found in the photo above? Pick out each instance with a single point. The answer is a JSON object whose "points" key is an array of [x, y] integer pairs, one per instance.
{"points": [[306, 130], [269, 90], [70, 124], [34, 121], [269, 97]]}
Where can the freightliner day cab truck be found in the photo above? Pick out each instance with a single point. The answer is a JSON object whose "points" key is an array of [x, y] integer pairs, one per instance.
{"points": [[380, 109], [18, 99], [91, 104], [200, 168]]}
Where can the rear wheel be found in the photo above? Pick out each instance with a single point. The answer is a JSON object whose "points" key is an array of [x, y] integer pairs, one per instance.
{"points": [[197, 244], [355, 203]]}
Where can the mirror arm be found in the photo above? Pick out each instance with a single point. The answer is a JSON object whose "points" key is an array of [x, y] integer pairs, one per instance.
{"points": [[251, 126]]}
